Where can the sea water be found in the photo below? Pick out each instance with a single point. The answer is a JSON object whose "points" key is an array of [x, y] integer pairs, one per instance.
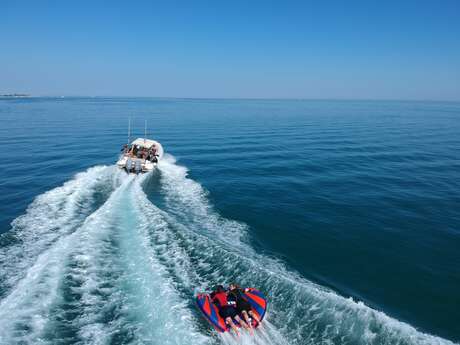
{"points": [[346, 214]]}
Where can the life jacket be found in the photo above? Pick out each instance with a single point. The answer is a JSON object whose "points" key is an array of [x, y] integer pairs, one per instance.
{"points": [[236, 293], [232, 300], [221, 299]]}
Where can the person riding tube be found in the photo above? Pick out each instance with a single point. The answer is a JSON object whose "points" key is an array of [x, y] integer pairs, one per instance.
{"points": [[227, 308], [243, 307]]}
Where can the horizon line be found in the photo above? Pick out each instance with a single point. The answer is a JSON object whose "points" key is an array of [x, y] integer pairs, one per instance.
{"points": [[20, 95]]}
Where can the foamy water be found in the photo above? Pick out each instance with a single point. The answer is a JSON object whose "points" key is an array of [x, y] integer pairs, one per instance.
{"points": [[99, 261]]}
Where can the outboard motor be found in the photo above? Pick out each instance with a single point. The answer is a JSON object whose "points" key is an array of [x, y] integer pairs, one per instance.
{"points": [[129, 165], [138, 167]]}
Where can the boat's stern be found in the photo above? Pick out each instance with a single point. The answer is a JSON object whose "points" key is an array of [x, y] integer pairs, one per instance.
{"points": [[135, 165]]}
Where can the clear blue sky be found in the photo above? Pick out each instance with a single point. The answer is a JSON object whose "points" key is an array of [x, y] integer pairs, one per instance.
{"points": [[371, 49]]}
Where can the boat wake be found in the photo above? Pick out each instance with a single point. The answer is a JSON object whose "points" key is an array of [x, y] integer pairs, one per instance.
{"points": [[115, 259]]}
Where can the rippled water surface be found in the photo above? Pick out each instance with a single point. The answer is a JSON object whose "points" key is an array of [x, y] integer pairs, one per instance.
{"points": [[346, 214]]}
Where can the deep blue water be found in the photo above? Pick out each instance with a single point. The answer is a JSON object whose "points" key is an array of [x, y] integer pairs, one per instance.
{"points": [[345, 213]]}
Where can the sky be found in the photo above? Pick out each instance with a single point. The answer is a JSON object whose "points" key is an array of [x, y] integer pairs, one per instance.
{"points": [[368, 49]]}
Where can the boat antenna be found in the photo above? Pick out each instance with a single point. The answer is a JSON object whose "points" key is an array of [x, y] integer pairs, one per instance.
{"points": [[129, 130], [145, 131]]}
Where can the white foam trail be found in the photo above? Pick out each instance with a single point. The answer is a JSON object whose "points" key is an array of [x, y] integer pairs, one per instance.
{"points": [[193, 206], [122, 292], [93, 274], [303, 312], [51, 215], [167, 315], [99, 282], [25, 311]]}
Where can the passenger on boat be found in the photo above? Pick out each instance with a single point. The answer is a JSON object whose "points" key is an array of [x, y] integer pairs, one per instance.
{"points": [[153, 158], [133, 150], [139, 152], [243, 307], [125, 148], [227, 308], [151, 155]]}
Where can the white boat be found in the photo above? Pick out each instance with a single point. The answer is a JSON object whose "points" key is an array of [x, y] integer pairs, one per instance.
{"points": [[140, 156]]}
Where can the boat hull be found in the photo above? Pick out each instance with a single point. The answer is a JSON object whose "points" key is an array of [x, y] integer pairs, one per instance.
{"points": [[135, 165]]}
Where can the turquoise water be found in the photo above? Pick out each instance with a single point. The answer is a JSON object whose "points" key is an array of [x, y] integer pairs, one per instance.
{"points": [[345, 213]]}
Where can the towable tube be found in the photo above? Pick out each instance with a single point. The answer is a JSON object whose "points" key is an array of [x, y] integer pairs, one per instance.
{"points": [[211, 312]]}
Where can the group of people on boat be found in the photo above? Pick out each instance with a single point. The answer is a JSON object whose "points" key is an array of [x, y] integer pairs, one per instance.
{"points": [[137, 151], [233, 306]]}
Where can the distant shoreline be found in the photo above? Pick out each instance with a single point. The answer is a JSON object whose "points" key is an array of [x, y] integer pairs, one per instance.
{"points": [[15, 95]]}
